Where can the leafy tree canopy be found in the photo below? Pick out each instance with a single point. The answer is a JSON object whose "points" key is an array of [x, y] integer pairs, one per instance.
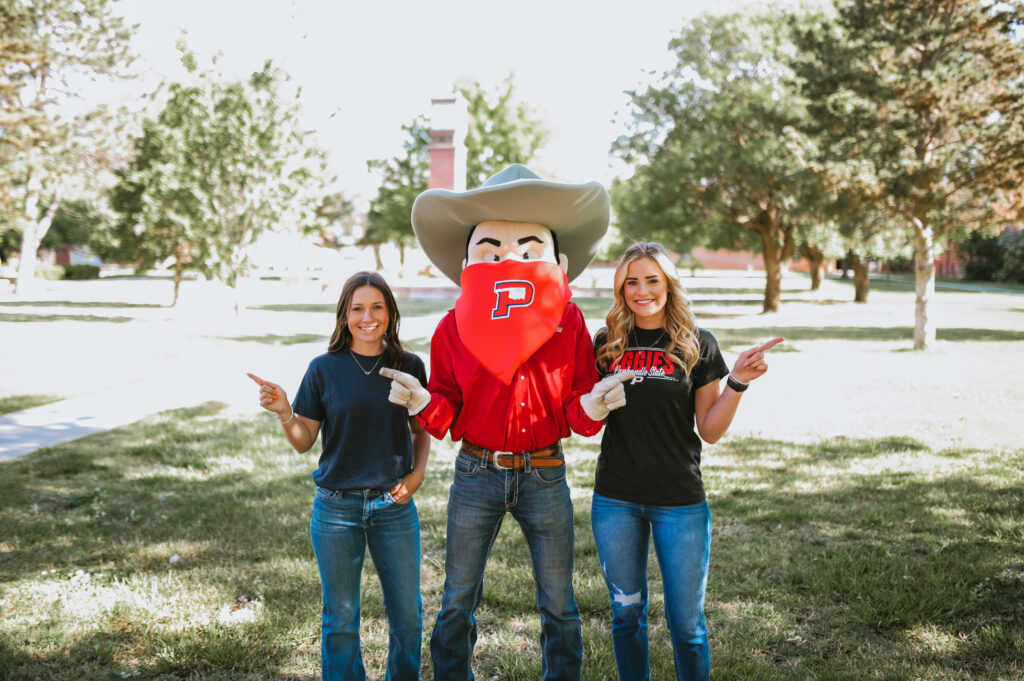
{"points": [[48, 140], [719, 159], [222, 162], [921, 106], [501, 131]]}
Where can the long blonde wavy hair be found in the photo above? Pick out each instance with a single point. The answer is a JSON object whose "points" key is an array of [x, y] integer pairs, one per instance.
{"points": [[684, 346]]}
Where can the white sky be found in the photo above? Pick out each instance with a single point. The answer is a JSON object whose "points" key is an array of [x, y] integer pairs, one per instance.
{"points": [[376, 64]]}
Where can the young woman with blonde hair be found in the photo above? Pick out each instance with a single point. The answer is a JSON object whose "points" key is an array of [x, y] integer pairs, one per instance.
{"points": [[648, 473]]}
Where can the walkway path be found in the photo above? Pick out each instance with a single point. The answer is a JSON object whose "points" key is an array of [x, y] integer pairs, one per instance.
{"points": [[218, 375]]}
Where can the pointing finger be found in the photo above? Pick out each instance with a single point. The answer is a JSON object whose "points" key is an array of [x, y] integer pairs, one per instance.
{"points": [[770, 344], [627, 375], [400, 377], [256, 378]]}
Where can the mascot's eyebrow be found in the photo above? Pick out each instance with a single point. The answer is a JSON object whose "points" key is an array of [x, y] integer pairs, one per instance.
{"points": [[488, 240], [525, 239]]}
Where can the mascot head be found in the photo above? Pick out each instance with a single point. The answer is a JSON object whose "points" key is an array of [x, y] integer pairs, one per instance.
{"points": [[512, 244]]}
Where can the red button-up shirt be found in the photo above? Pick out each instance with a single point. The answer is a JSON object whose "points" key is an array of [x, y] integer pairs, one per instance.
{"points": [[536, 410]]}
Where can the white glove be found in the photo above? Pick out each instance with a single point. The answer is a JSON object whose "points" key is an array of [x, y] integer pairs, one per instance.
{"points": [[406, 391], [607, 394]]}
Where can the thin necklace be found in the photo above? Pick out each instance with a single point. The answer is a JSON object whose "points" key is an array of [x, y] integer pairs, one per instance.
{"points": [[636, 341], [366, 372]]}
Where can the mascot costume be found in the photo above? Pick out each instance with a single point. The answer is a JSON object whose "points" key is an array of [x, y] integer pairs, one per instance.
{"points": [[511, 373]]}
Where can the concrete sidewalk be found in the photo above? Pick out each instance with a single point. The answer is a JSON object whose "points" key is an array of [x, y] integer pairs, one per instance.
{"points": [[217, 375]]}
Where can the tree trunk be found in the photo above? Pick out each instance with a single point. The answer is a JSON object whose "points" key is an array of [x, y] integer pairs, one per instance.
{"points": [[376, 256], [860, 278], [236, 286], [772, 270], [924, 285], [401, 253], [33, 229], [816, 258], [177, 279]]}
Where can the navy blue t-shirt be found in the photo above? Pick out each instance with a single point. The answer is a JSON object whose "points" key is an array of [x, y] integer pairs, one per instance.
{"points": [[365, 439]]}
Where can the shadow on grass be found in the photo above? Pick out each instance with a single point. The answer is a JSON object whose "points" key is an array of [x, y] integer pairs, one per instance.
{"points": [[409, 307], [860, 333], [819, 553], [95, 507], [598, 307], [69, 303], [826, 556], [274, 339], [7, 317], [899, 549]]}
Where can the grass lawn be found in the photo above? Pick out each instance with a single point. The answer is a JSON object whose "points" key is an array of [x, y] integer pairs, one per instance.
{"points": [[868, 510], [178, 548], [11, 403]]}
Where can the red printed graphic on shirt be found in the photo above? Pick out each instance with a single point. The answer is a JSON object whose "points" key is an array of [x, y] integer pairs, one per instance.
{"points": [[646, 363]]}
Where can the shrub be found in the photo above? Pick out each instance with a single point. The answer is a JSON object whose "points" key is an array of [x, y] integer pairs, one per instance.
{"points": [[81, 272], [984, 256], [1013, 256], [49, 272]]}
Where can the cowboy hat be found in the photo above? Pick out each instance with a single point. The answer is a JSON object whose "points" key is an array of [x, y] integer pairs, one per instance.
{"points": [[576, 213]]}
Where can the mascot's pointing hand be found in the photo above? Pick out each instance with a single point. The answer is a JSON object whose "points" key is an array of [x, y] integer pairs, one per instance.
{"points": [[406, 391], [606, 395]]}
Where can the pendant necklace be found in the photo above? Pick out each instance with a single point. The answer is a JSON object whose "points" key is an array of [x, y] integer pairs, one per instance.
{"points": [[636, 341], [365, 371]]}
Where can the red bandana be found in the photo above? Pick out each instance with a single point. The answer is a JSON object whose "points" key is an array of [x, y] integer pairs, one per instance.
{"points": [[509, 309]]}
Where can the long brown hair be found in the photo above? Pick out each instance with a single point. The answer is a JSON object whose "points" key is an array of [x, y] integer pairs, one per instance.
{"points": [[341, 339], [684, 344]]}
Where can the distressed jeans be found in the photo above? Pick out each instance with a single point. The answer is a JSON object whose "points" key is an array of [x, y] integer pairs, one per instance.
{"points": [[682, 541], [479, 499], [344, 524]]}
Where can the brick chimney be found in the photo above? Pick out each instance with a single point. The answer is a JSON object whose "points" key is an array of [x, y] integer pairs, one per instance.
{"points": [[448, 123]]}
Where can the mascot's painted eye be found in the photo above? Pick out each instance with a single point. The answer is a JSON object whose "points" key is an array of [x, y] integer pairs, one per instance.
{"points": [[526, 256], [496, 257]]}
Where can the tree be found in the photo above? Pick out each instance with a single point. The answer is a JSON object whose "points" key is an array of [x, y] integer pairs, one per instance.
{"points": [[339, 216], [926, 99], [48, 47], [501, 131], [153, 208], [717, 153], [224, 161], [403, 178]]}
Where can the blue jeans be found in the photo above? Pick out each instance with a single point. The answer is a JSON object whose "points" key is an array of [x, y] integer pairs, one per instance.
{"points": [[343, 524], [479, 499], [682, 542]]}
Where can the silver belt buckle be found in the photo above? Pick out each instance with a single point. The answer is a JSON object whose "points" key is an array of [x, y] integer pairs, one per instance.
{"points": [[497, 464]]}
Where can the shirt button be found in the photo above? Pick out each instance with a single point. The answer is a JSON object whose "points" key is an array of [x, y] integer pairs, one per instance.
{"points": [[522, 378], [524, 430], [522, 404]]}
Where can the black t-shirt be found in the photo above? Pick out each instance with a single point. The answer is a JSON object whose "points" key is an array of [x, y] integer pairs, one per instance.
{"points": [[650, 451], [365, 439]]}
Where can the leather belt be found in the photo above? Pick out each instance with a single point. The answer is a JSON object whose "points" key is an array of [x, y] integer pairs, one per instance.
{"points": [[540, 458]]}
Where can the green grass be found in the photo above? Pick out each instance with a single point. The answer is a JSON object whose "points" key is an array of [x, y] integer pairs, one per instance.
{"points": [[847, 558], [12, 403], [411, 307], [28, 317], [750, 336], [75, 303], [276, 339]]}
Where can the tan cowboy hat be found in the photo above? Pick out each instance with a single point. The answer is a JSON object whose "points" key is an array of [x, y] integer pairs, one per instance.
{"points": [[576, 213]]}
